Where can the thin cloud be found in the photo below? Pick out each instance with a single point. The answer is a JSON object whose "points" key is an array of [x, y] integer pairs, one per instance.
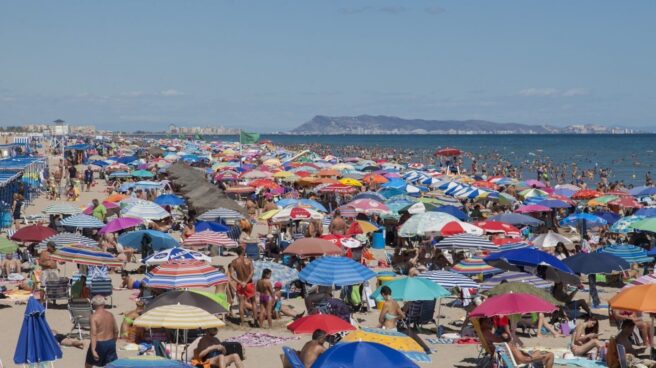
{"points": [[132, 94], [434, 10], [576, 92], [392, 9], [553, 92], [171, 93]]}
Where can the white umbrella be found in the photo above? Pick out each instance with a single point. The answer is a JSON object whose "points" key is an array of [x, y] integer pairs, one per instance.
{"points": [[423, 223], [551, 239]]}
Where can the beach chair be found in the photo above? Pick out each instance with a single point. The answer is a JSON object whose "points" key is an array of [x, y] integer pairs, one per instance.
{"points": [[505, 358], [420, 313], [80, 311], [253, 251], [292, 358], [102, 287], [56, 290], [621, 355], [486, 352]]}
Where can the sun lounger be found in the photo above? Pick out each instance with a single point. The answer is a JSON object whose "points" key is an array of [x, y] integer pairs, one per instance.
{"points": [[102, 287], [56, 290], [292, 358], [80, 311]]}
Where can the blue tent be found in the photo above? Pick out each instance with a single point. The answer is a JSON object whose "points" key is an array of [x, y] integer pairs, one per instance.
{"points": [[169, 200], [363, 355], [36, 342], [159, 240], [453, 211], [212, 226]]}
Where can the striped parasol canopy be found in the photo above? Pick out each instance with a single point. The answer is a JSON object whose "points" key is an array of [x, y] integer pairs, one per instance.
{"points": [[335, 271], [80, 254], [178, 317], [82, 222], [474, 266], [184, 274], [63, 239], [642, 280], [222, 213], [279, 272], [145, 210], [510, 244], [628, 252], [175, 254], [209, 237], [62, 209], [510, 276], [624, 225], [466, 241], [450, 280]]}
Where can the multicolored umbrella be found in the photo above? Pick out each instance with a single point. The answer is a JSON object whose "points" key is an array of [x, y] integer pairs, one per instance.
{"points": [[413, 289], [466, 241], [33, 233], [175, 254], [513, 303], [82, 222], [474, 266], [628, 252], [392, 339], [61, 209], [530, 193], [459, 227], [190, 298], [184, 274], [648, 224], [279, 272], [326, 322], [63, 239], [625, 224], [642, 280], [521, 277], [369, 206], [178, 317], [145, 210], [80, 254], [220, 213], [335, 271], [295, 213], [208, 237], [121, 223], [450, 280]]}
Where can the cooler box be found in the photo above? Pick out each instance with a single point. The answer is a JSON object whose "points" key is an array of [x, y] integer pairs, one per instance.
{"points": [[378, 240]]}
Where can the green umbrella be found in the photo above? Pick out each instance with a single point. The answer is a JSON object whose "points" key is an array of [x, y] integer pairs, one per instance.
{"points": [[142, 174], [7, 246], [522, 288], [648, 224], [220, 299], [413, 289]]}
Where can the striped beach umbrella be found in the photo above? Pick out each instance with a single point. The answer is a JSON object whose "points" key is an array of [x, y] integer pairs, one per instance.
{"points": [[510, 244], [220, 213], [642, 280], [80, 254], [510, 276], [466, 241], [390, 338], [175, 254], [178, 317], [61, 209], [450, 280], [628, 252], [145, 210], [279, 272], [625, 224], [82, 222], [208, 237], [335, 271], [184, 274], [474, 266], [63, 239]]}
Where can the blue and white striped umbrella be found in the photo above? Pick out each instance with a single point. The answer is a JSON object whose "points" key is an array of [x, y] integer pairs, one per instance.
{"points": [[279, 272], [510, 246], [175, 254], [222, 213], [61, 209], [450, 280], [63, 239], [82, 222], [628, 252], [335, 271], [466, 241], [522, 277], [145, 210]]}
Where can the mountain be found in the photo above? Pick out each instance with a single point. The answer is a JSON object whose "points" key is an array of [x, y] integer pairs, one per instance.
{"points": [[369, 124]]}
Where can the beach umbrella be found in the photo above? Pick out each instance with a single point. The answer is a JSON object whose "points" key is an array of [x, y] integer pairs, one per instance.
{"points": [[189, 298], [418, 207], [279, 272], [390, 338], [628, 252], [624, 225], [504, 244], [145, 210], [142, 174], [33, 233], [501, 198], [530, 208], [178, 317], [602, 201], [175, 254], [465, 241], [36, 343], [111, 207], [147, 361], [80, 254], [625, 202], [116, 197], [158, 239], [296, 213], [327, 322], [497, 227], [646, 212], [423, 223], [212, 226], [516, 219], [553, 203], [590, 220], [413, 289], [610, 217], [302, 202], [648, 224], [596, 262], [513, 303], [369, 206], [61, 209], [522, 288], [312, 247], [529, 193], [208, 237], [515, 260], [449, 280], [63, 239], [640, 298], [448, 151], [121, 223], [511, 277], [335, 271], [586, 194], [359, 354], [7, 246], [550, 240], [459, 227], [184, 274], [642, 280], [453, 211], [474, 266], [220, 213], [169, 200], [82, 222]]}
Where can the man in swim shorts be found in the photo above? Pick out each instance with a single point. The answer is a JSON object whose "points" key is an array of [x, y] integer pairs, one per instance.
{"points": [[242, 276], [104, 332]]}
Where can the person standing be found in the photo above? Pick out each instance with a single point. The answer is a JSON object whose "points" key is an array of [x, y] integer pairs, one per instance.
{"points": [[265, 288], [99, 210], [104, 333], [72, 174], [48, 265], [17, 210], [337, 225], [88, 177], [242, 275]]}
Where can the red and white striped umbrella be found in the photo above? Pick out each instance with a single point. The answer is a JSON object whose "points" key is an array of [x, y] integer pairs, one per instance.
{"points": [[497, 227], [369, 206], [208, 237], [459, 227]]}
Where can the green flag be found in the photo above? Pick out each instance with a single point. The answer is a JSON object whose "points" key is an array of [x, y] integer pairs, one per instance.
{"points": [[248, 138]]}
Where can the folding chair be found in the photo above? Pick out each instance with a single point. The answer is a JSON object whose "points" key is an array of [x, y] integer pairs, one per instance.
{"points": [[505, 357], [621, 355], [102, 287], [292, 358], [80, 311], [486, 352], [56, 290]]}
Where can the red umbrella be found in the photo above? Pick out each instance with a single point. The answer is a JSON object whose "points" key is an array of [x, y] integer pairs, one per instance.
{"points": [[312, 247], [586, 194], [458, 227], [335, 239], [625, 202], [338, 188], [448, 151], [327, 322], [507, 304], [263, 183], [497, 227], [33, 233], [208, 237]]}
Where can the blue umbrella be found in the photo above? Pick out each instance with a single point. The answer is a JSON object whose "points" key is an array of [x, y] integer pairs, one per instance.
{"points": [[516, 219], [370, 195], [212, 226], [647, 212], [610, 217], [159, 240], [36, 342], [628, 252], [301, 202], [554, 203], [335, 271], [363, 355], [590, 220], [169, 200], [635, 191], [594, 263], [649, 191], [453, 211], [565, 192], [516, 259], [390, 192]]}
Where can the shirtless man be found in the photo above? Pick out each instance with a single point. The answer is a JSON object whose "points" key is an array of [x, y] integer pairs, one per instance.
{"points": [[313, 348], [242, 275], [48, 265], [104, 332], [210, 350], [10, 265], [337, 225]]}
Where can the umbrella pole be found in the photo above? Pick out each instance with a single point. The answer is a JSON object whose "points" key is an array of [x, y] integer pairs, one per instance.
{"points": [[439, 314], [651, 333]]}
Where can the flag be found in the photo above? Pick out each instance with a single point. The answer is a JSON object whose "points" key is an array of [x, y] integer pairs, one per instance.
{"points": [[248, 138]]}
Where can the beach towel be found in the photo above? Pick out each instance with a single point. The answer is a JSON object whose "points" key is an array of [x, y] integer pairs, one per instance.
{"points": [[256, 339], [579, 362]]}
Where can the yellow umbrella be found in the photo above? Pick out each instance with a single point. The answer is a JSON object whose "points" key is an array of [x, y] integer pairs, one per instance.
{"points": [[272, 162], [283, 174], [366, 226], [390, 338], [268, 214], [178, 317], [350, 181]]}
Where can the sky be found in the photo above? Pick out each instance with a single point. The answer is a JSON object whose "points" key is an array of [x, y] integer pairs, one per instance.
{"points": [[272, 65]]}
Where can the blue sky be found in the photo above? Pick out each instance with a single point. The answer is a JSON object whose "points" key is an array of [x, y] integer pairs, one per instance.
{"points": [[272, 65]]}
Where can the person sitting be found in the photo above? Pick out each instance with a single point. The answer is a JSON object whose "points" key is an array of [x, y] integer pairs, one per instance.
{"points": [[64, 340], [10, 265], [210, 350], [568, 299], [643, 326], [521, 357], [585, 337], [128, 331], [127, 282], [80, 290], [313, 348]]}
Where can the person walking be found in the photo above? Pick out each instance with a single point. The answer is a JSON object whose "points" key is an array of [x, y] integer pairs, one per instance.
{"points": [[104, 333]]}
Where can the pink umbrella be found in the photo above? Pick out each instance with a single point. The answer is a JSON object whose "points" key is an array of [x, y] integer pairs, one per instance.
{"points": [[121, 223], [368, 206], [535, 183], [208, 237], [533, 208], [507, 304]]}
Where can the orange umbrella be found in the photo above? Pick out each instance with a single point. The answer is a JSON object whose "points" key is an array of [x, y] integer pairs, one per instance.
{"points": [[641, 298], [116, 197], [329, 172], [374, 178]]}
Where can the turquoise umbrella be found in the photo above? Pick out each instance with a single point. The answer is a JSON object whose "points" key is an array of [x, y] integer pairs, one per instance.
{"points": [[413, 289], [625, 224], [628, 252], [142, 174]]}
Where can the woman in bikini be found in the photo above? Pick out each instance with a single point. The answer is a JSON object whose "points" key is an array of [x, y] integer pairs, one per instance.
{"points": [[265, 288], [391, 312]]}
